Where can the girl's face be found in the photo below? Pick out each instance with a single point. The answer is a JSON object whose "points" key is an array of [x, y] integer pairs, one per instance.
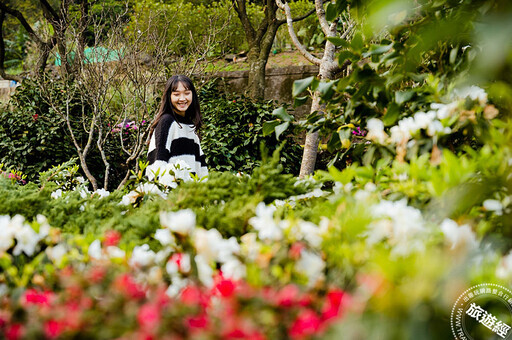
{"points": [[181, 98]]}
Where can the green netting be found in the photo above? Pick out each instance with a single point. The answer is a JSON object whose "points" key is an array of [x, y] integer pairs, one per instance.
{"points": [[93, 55]]}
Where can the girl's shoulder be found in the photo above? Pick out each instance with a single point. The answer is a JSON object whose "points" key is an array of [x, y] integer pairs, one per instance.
{"points": [[165, 121]]}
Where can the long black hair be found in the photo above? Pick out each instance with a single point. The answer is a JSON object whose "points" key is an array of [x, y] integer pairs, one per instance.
{"points": [[193, 112]]}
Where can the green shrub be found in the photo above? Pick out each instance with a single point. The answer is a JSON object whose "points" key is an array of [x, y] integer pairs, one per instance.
{"points": [[232, 132], [33, 137]]}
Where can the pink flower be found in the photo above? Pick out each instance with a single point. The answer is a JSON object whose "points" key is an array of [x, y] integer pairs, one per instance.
{"points": [[129, 287], [192, 296], [200, 321], [96, 274], [295, 250], [53, 328], [287, 296], [34, 297], [112, 238], [14, 332], [148, 316], [332, 307], [306, 324]]}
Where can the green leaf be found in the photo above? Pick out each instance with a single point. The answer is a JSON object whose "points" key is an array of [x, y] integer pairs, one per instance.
{"points": [[301, 85], [280, 112], [281, 128], [344, 56], [269, 127], [298, 101], [334, 142], [391, 115], [331, 12], [323, 87], [357, 42], [337, 41], [453, 55], [403, 96], [377, 49]]}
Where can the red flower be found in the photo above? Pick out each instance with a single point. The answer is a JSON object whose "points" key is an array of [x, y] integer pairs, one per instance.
{"points": [[287, 296], [295, 250], [129, 287], [148, 316], [112, 238], [193, 296], [200, 321], [34, 297], [35, 116], [53, 328], [333, 304], [225, 287], [96, 274], [306, 324], [14, 332]]}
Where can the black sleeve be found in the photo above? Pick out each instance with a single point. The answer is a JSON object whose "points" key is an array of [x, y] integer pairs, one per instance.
{"points": [[161, 132]]}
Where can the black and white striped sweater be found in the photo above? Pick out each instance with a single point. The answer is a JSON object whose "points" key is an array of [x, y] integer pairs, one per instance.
{"points": [[174, 141]]}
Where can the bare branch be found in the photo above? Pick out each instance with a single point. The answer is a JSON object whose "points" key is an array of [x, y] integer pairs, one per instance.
{"points": [[286, 8], [320, 13]]}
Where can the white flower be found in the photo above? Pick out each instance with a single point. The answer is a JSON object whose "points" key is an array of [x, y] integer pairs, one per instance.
{"points": [[445, 110], [157, 168], [169, 180], [211, 245], [401, 225], [150, 188], [177, 284], [264, 223], [458, 236], [504, 269], [233, 269], [142, 256], [94, 251], [115, 252], [56, 253], [493, 205], [204, 271], [80, 180], [181, 222], [473, 92], [56, 194], [102, 193], [311, 265], [179, 262], [162, 256], [375, 129], [6, 234], [84, 193], [436, 128], [165, 237], [181, 169], [309, 232], [44, 227], [250, 246], [129, 198], [26, 240]]}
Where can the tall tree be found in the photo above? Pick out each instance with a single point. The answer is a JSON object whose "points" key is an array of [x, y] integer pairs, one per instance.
{"points": [[329, 67], [260, 41]]}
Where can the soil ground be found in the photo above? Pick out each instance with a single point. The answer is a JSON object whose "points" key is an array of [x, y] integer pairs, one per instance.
{"points": [[281, 59]]}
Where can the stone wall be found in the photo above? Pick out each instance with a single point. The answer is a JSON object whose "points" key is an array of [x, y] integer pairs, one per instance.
{"points": [[278, 83]]}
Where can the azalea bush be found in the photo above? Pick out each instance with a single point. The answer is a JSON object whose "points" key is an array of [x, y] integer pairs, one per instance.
{"points": [[333, 254]]}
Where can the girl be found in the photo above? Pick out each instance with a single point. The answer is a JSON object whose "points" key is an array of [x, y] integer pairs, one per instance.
{"points": [[174, 132]]}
